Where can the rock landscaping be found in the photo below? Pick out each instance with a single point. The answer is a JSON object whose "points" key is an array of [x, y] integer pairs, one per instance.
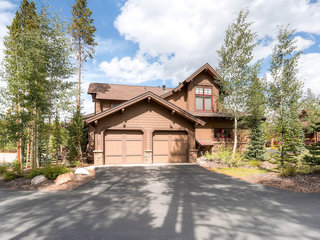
{"points": [[64, 178], [38, 179], [63, 182]]}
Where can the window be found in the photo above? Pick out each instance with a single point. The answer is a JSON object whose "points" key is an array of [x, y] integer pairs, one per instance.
{"points": [[114, 105], [222, 133], [204, 98]]}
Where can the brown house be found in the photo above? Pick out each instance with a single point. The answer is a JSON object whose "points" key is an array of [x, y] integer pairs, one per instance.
{"points": [[138, 124], [309, 137]]}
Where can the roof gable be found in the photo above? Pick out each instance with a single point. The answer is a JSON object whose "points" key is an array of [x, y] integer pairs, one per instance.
{"points": [[205, 68], [150, 96]]}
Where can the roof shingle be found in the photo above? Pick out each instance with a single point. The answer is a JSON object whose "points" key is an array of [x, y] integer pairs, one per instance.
{"points": [[122, 92]]}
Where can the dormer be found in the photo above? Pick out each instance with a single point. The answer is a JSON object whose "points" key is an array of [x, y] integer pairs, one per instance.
{"points": [[199, 93]]}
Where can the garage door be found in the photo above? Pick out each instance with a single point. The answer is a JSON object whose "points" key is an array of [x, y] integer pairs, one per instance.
{"points": [[170, 147], [123, 147]]}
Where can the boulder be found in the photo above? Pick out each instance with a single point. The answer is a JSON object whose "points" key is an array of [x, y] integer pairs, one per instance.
{"points": [[81, 171], [64, 178], [38, 179]]}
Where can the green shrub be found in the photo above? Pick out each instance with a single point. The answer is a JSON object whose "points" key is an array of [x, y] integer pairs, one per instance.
{"points": [[3, 169], [52, 171], [16, 168], [209, 156], [35, 172], [9, 176], [255, 163], [288, 171], [224, 154], [316, 169]]}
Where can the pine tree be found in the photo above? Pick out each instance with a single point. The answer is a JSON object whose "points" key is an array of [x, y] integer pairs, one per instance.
{"points": [[285, 96], [235, 66], [313, 158], [256, 105], [82, 31], [311, 105], [77, 138]]}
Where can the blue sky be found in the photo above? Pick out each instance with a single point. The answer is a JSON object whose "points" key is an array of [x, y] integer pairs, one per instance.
{"points": [[151, 42]]}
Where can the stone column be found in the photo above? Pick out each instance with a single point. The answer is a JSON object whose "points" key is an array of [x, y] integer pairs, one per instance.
{"points": [[193, 155], [148, 156], [98, 157]]}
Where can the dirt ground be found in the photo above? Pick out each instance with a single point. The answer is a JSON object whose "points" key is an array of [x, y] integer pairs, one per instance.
{"points": [[306, 183]]}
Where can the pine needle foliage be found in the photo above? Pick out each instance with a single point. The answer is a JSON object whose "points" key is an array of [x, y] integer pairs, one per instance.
{"points": [[285, 93]]}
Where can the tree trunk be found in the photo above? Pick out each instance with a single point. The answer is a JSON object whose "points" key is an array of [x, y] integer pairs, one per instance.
{"points": [[48, 140], [79, 74], [235, 143], [33, 154]]}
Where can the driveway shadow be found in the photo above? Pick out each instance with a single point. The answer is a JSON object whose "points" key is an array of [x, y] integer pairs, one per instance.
{"points": [[167, 202]]}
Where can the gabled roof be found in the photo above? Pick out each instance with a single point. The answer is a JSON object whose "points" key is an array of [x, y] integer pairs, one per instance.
{"points": [[122, 92], [141, 97], [205, 68]]}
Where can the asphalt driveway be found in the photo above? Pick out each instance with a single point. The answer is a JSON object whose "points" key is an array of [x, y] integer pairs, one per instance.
{"points": [[160, 202]]}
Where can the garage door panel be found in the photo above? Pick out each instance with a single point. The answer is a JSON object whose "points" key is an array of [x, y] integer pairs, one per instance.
{"points": [[114, 147], [178, 158], [161, 148], [179, 147], [133, 159], [160, 159], [170, 147], [123, 147], [134, 147]]}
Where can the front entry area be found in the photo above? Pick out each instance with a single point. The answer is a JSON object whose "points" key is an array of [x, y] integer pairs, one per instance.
{"points": [[124, 147], [170, 147]]}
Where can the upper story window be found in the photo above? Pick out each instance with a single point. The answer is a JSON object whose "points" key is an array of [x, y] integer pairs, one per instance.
{"points": [[204, 98], [112, 105]]}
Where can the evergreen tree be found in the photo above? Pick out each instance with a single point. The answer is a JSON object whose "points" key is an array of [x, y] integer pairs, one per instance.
{"points": [[285, 96], [235, 66], [313, 158], [311, 106], [256, 105], [77, 138], [82, 31]]}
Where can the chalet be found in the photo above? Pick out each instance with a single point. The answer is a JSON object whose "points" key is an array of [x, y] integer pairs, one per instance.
{"points": [[309, 137], [140, 124]]}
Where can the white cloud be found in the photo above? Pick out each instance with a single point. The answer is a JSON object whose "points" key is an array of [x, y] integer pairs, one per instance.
{"points": [[133, 70], [6, 16], [182, 35], [303, 43], [310, 72]]}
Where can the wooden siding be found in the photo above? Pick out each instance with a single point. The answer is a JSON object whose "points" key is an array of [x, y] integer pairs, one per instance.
{"points": [[102, 105], [206, 132]]}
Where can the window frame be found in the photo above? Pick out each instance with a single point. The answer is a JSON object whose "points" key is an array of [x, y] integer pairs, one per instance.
{"points": [[223, 135], [203, 98]]}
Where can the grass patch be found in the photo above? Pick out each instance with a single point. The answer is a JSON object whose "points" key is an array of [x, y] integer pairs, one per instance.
{"points": [[240, 172]]}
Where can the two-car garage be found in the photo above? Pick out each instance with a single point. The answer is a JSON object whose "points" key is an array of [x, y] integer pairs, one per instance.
{"points": [[144, 130], [127, 147]]}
